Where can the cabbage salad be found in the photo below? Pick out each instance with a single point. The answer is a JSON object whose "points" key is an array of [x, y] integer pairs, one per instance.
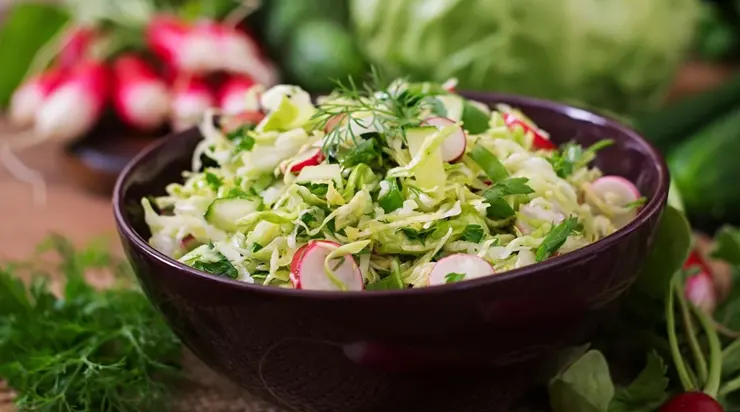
{"points": [[378, 188]]}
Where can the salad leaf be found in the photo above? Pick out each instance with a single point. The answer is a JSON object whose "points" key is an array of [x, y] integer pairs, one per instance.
{"points": [[417, 235], [556, 238], [669, 251], [646, 392], [585, 386]]}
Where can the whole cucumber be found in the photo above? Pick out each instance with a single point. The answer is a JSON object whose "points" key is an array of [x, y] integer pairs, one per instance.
{"points": [[706, 169]]}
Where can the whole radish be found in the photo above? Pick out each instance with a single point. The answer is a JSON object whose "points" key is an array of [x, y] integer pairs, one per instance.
{"points": [[75, 106], [188, 49], [232, 95], [692, 402], [28, 98], [190, 100], [140, 97], [75, 46], [239, 53]]}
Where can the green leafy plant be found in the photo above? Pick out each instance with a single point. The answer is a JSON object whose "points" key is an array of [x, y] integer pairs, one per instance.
{"points": [[86, 350]]}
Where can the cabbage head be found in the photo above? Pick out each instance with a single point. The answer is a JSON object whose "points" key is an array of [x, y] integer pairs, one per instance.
{"points": [[615, 55]]}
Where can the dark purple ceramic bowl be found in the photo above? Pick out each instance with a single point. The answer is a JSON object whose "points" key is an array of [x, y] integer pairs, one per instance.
{"points": [[469, 346]]}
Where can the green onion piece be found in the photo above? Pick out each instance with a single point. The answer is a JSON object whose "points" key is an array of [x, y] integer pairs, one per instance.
{"points": [[489, 163]]}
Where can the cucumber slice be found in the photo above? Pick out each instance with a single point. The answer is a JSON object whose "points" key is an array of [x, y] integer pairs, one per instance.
{"points": [[320, 174], [432, 173], [224, 213], [453, 104]]}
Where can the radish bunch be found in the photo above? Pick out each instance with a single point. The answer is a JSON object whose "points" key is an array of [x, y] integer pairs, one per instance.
{"points": [[196, 66]]}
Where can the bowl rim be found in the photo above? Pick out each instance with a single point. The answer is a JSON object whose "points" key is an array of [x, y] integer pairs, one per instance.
{"points": [[647, 212]]}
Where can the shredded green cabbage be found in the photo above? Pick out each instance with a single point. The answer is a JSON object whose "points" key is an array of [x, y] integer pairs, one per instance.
{"points": [[247, 203]]}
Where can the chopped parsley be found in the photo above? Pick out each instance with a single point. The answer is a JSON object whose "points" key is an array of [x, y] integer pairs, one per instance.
{"points": [[473, 233], [556, 238], [572, 156], [213, 180], [454, 277]]}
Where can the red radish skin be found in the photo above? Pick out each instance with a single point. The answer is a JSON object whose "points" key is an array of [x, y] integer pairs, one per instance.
{"points": [[623, 190], [29, 97], [240, 52], [471, 266], [692, 402], [294, 265], [312, 276], [311, 157], [232, 94], [540, 141], [700, 291], [332, 123], [189, 49], [453, 147], [189, 102], [75, 46], [141, 98], [75, 106], [695, 260]]}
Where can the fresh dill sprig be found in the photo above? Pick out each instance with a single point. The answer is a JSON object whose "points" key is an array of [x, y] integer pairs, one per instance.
{"points": [[388, 108], [88, 350]]}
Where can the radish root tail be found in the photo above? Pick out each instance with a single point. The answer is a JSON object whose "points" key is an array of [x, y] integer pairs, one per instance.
{"points": [[241, 12], [23, 173]]}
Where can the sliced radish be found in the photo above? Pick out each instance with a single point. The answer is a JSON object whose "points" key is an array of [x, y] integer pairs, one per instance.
{"points": [[540, 140], [454, 146], [312, 276], [295, 264], [617, 191], [332, 123], [310, 157], [471, 266]]}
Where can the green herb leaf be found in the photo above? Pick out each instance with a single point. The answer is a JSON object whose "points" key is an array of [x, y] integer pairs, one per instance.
{"points": [[89, 350], [490, 164], [364, 152], [555, 238], [670, 249], [256, 247], [454, 277], [318, 189], [213, 180], [572, 156], [585, 386], [498, 207], [647, 392], [221, 267], [637, 203], [393, 200], [473, 233], [390, 282], [417, 235]]}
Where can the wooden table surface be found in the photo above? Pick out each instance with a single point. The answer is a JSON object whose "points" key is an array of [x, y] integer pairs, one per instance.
{"points": [[68, 210]]}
